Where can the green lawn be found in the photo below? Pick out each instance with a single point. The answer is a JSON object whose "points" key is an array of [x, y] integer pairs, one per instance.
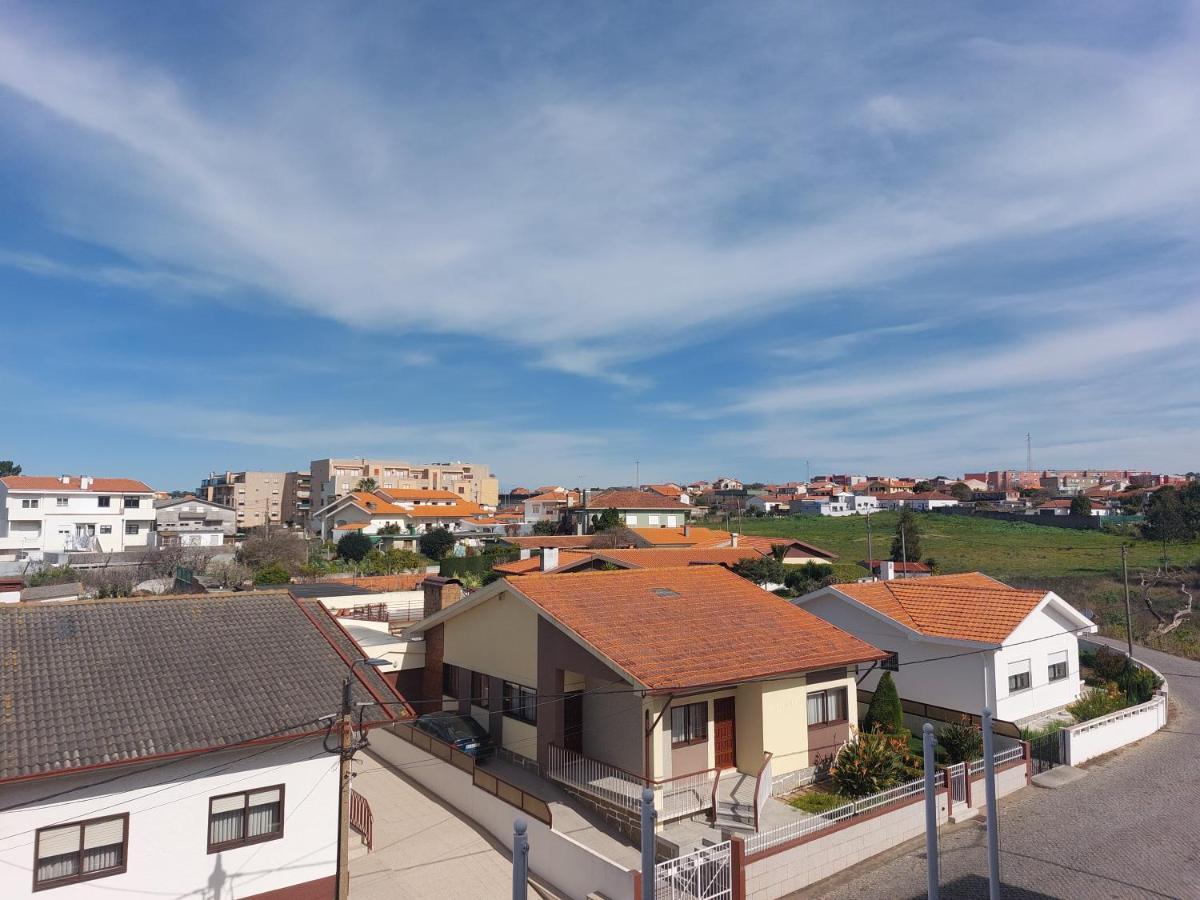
{"points": [[964, 544]]}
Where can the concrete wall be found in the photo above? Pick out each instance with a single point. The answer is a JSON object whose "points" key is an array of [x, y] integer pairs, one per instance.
{"points": [[498, 637], [557, 858], [785, 726], [168, 825], [1035, 639], [1088, 740]]}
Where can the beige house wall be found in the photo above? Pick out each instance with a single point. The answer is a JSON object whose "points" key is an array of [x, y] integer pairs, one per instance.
{"points": [[498, 637], [255, 497]]}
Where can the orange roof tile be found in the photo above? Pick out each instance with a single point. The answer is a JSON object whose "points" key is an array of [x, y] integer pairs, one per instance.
{"points": [[459, 510], [633, 500], [376, 506], [967, 607], [53, 483], [562, 541], [418, 494], [534, 563], [680, 628], [672, 557], [696, 536]]}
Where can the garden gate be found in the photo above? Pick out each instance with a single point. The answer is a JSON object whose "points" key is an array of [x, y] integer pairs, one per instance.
{"points": [[704, 874], [1046, 751]]}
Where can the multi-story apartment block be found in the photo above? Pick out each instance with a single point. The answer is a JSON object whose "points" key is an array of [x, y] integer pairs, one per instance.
{"points": [[297, 498], [256, 497], [52, 514], [333, 479], [1069, 482]]}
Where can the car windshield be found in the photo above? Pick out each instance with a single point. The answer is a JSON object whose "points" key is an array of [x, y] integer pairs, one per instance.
{"points": [[460, 728]]}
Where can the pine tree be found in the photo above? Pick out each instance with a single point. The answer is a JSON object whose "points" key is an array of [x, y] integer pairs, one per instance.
{"points": [[885, 710]]}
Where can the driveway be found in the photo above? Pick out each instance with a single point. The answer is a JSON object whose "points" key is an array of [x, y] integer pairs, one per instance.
{"points": [[423, 850], [1130, 829]]}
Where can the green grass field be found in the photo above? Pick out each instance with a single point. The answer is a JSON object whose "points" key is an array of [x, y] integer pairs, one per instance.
{"points": [[964, 544]]}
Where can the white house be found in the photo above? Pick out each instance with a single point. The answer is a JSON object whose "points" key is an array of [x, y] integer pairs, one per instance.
{"points": [[192, 522], [918, 502], [964, 642], [1062, 507], [406, 513], [191, 762], [549, 506], [52, 514], [842, 503]]}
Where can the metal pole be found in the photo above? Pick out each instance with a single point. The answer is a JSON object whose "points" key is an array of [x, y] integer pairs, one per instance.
{"points": [[343, 864], [649, 814], [870, 554], [1128, 614], [931, 835], [903, 546], [993, 827], [520, 860]]}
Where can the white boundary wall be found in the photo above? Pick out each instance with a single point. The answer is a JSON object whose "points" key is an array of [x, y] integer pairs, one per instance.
{"points": [[557, 858], [1090, 739]]}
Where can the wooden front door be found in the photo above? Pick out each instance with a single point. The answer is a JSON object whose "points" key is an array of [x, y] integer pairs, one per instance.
{"points": [[573, 721], [724, 735]]}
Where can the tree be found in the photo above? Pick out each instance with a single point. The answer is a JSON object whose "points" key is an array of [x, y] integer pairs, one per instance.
{"points": [[285, 548], [908, 547], [354, 546], [607, 521], [960, 492], [761, 570], [1166, 519], [272, 574], [809, 577], [8, 467], [1081, 505], [545, 527], [922, 487], [366, 485], [437, 543], [885, 712]]}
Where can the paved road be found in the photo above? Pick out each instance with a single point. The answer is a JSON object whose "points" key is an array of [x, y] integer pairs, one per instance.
{"points": [[1130, 829]]}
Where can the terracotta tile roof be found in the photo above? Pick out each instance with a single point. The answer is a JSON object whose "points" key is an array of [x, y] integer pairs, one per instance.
{"points": [[694, 627], [459, 510], [562, 541], [97, 486], [633, 500], [376, 506], [873, 565], [667, 490], [534, 563], [968, 607], [560, 496], [417, 494], [696, 536], [351, 526], [672, 557], [1065, 503]]}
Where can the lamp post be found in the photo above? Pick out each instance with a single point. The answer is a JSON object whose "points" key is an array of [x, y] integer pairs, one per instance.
{"points": [[346, 751]]}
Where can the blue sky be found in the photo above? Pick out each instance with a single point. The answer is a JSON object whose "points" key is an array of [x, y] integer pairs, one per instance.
{"points": [[560, 238]]}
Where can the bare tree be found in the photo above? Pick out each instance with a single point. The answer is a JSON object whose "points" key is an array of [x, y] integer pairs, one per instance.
{"points": [[1164, 578]]}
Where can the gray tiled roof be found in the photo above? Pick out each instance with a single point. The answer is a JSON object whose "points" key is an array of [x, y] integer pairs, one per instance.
{"points": [[86, 683]]}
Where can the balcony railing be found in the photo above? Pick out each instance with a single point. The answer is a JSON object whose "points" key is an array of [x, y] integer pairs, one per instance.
{"points": [[674, 798]]}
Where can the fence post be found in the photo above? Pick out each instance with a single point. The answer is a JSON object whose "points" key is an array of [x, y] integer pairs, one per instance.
{"points": [[989, 790], [737, 865], [947, 779], [931, 835], [649, 814], [520, 861]]}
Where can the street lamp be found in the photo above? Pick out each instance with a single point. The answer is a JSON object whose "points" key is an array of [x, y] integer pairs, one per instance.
{"points": [[347, 750]]}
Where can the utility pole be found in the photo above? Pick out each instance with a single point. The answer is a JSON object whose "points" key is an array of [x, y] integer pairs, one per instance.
{"points": [[903, 547], [1128, 613], [520, 883], [870, 554], [346, 754], [649, 815], [637, 468], [1028, 452], [931, 836], [993, 824]]}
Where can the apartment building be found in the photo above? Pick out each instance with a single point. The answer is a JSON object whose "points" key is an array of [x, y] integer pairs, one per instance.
{"points": [[256, 497], [56, 513], [333, 479], [297, 498]]}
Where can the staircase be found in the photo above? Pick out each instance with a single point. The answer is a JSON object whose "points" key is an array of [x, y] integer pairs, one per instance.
{"points": [[735, 802]]}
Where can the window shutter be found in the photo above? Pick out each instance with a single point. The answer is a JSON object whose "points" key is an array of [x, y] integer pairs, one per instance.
{"points": [[260, 797], [1018, 668], [228, 804], [1059, 656], [57, 841], [103, 834]]}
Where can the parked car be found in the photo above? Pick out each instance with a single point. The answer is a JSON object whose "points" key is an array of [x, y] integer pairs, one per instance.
{"points": [[462, 732]]}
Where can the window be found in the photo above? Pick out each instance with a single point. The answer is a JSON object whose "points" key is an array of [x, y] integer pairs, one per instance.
{"points": [[826, 707], [652, 520], [689, 724], [520, 702], [891, 664], [104, 502], [1057, 666], [28, 503], [672, 521], [249, 817], [1018, 676], [450, 680], [132, 527], [64, 854], [106, 529], [479, 689], [630, 519], [60, 501]]}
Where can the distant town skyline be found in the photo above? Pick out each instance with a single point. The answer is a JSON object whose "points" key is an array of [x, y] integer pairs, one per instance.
{"points": [[557, 240]]}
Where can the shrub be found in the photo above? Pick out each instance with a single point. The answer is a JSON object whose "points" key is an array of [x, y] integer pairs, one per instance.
{"points": [[1108, 663], [354, 546], [818, 802], [1138, 684], [545, 527], [1098, 703], [437, 543], [962, 740], [885, 712], [873, 761], [53, 575], [272, 574]]}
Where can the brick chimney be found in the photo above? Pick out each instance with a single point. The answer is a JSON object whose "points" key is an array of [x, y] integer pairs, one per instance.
{"points": [[440, 592], [549, 558]]}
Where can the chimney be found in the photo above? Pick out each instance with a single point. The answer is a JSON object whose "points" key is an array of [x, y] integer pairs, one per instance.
{"points": [[65, 479], [549, 558], [525, 553], [85, 482], [733, 539], [887, 570], [439, 593]]}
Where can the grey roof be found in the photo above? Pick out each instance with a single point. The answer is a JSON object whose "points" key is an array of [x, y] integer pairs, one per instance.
{"points": [[101, 682], [53, 591]]}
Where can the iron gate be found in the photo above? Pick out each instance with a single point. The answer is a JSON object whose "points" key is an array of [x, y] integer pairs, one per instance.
{"points": [[958, 782], [1046, 751], [704, 874]]}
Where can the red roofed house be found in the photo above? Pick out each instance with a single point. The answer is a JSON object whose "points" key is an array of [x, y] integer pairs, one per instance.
{"points": [[52, 514], [1062, 507], [413, 512], [675, 677], [964, 642], [549, 507], [648, 509]]}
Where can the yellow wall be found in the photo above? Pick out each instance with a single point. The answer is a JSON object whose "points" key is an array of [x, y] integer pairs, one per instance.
{"points": [[785, 724], [498, 637], [749, 722], [519, 737]]}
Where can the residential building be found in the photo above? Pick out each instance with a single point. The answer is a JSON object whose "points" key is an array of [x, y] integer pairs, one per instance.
{"points": [[887, 569], [401, 514], [255, 497], [670, 489], [1013, 480], [333, 479], [964, 642], [192, 522], [770, 503], [639, 698], [192, 762], [550, 506], [636, 508], [560, 562], [923, 501], [52, 514], [727, 484], [297, 499], [841, 503], [1062, 507], [1069, 483]]}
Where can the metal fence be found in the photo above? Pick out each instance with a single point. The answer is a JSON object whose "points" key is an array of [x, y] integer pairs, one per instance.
{"points": [[998, 758], [704, 874]]}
